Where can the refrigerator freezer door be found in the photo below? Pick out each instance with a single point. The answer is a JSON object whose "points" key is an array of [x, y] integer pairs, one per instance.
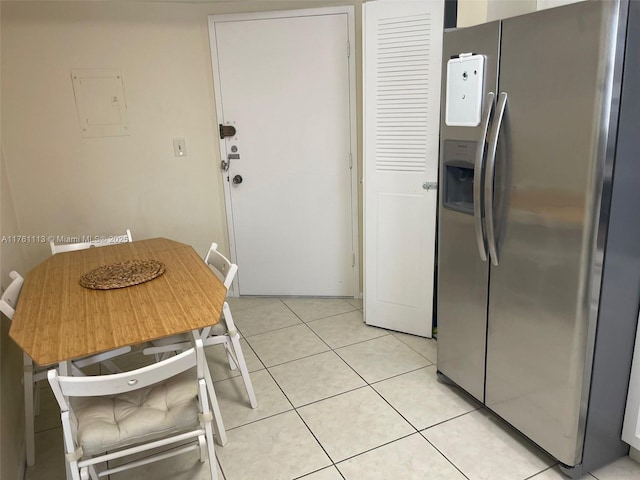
{"points": [[462, 275], [548, 184]]}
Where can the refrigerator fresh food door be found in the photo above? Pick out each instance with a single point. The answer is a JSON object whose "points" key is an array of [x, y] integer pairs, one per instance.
{"points": [[463, 272], [556, 68]]}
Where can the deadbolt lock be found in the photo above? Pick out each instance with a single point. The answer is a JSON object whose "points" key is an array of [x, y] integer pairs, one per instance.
{"points": [[227, 131]]}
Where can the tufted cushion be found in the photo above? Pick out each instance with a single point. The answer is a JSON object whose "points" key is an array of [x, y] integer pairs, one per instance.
{"points": [[141, 416]]}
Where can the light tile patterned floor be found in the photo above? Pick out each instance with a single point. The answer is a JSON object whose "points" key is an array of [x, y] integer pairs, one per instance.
{"points": [[337, 400]]}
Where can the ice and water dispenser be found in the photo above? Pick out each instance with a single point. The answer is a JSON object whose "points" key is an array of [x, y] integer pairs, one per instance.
{"points": [[458, 175], [464, 91]]}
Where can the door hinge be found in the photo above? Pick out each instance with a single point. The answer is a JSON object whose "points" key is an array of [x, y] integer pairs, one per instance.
{"points": [[348, 48], [350, 161], [353, 260]]}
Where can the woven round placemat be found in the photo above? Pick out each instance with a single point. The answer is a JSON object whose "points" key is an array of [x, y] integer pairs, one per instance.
{"points": [[123, 274]]}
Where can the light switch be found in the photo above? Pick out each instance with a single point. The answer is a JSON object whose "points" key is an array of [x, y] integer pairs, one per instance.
{"points": [[179, 147]]}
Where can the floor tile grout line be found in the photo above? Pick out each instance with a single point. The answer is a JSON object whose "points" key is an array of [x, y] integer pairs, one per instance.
{"points": [[393, 332], [47, 429], [444, 456], [376, 448], [316, 438], [302, 322], [385, 334], [295, 360], [331, 396], [229, 429], [541, 471], [333, 315], [275, 300], [383, 379], [291, 310], [503, 424], [224, 476], [301, 419], [319, 337], [322, 318], [394, 409], [400, 374], [318, 471], [449, 419], [246, 337], [354, 370]]}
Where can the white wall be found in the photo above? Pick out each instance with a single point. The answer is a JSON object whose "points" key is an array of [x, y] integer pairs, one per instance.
{"points": [[66, 184], [471, 12], [11, 399], [474, 12], [497, 9], [543, 4]]}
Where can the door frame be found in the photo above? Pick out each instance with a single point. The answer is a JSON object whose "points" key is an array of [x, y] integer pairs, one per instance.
{"points": [[349, 10]]}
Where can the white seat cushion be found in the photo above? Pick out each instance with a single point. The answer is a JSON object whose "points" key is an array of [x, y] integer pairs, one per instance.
{"points": [[108, 423]]}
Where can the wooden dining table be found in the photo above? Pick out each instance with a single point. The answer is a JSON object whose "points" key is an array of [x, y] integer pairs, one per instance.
{"points": [[57, 319]]}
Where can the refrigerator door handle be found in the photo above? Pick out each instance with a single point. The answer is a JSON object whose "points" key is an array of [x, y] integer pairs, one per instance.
{"points": [[490, 177], [477, 183]]}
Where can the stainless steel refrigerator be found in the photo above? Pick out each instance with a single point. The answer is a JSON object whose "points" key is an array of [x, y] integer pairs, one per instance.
{"points": [[539, 222]]}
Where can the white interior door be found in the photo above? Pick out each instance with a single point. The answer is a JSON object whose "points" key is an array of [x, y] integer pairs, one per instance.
{"points": [[402, 62], [285, 81]]}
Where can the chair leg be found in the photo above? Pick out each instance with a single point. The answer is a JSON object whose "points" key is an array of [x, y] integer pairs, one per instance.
{"points": [[237, 349], [221, 433], [112, 367], [84, 473], [232, 363], [93, 472], [204, 451], [36, 399], [211, 450], [28, 411], [205, 402], [71, 474]]}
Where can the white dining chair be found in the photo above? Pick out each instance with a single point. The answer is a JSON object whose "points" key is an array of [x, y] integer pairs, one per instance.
{"points": [[33, 373], [97, 242], [224, 332], [108, 417]]}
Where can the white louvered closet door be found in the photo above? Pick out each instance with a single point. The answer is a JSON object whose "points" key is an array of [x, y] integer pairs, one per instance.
{"points": [[402, 64]]}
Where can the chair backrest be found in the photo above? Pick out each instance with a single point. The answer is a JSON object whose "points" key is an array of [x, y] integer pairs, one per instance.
{"points": [[9, 298], [103, 385], [98, 242], [222, 264]]}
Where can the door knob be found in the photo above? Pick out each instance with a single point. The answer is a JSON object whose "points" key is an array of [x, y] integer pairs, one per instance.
{"points": [[237, 179]]}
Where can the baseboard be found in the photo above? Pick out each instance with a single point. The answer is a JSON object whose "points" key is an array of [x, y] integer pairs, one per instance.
{"points": [[634, 454]]}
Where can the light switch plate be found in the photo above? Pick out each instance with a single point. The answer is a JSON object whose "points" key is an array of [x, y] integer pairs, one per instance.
{"points": [[179, 147], [465, 82]]}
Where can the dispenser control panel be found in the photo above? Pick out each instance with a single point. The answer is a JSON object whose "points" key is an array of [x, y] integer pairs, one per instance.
{"points": [[465, 82]]}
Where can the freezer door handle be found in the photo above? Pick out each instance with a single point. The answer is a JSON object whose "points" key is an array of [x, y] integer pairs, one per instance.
{"points": [[489, 179], [477, 177]]}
